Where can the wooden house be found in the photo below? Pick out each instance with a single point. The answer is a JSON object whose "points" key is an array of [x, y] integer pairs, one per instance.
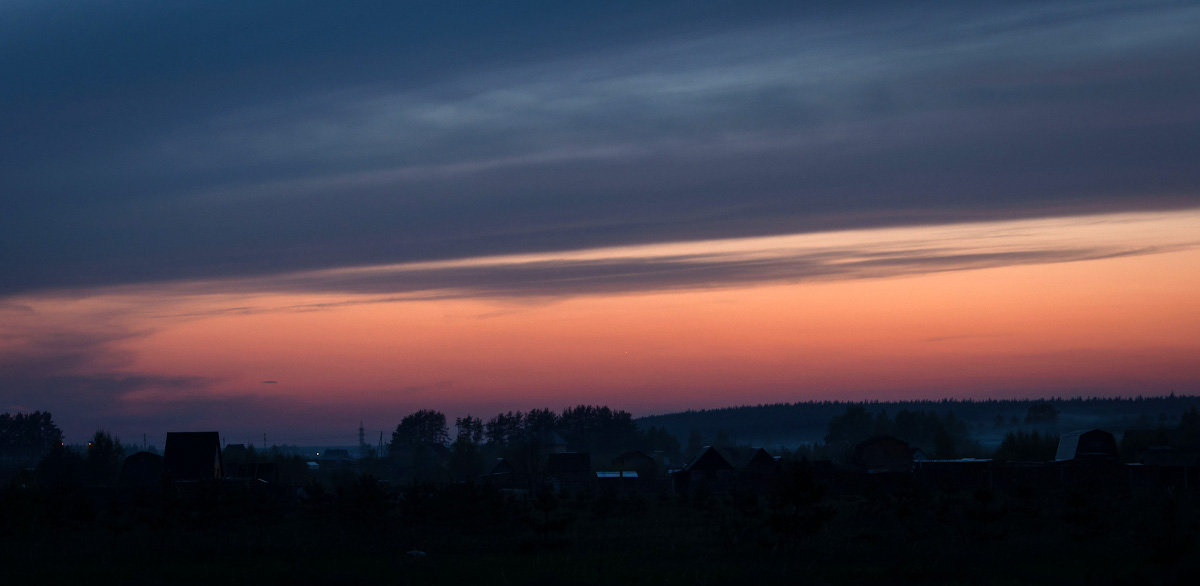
{"points": [[193, 455], [709, 470], [758, 473]]}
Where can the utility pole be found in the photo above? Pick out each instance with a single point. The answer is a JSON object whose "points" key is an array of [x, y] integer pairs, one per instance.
{"points": [[362, 440]]}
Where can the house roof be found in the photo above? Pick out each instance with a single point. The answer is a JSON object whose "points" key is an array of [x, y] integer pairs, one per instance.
{"points": [[708, 459], [192, 455], [760, 461], [617, 474], [1086, 443], [502, 467]]}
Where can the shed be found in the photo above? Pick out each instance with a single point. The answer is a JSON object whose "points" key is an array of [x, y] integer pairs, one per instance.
{"points": [[236, 453], [639, 462]]}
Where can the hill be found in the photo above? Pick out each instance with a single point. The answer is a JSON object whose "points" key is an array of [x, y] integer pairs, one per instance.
{"points": [[793, 424]]}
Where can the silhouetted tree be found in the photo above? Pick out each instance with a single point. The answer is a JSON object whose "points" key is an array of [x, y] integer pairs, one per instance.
{"points": [[722, 440], [694, 445], [470, 427], [539, 422], [466, 461], [943, 436], [658, 439], [1041, 412], [850, 428], [104, 456], [1189, 429], [60, 468], [1027, 446], [944, 446], [423, 427], [589, 428], [418, 444], [504, 428], [26, 438]]}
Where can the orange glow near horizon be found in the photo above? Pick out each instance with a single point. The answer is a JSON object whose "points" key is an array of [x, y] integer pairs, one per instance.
{"points": [[1113, 325]]}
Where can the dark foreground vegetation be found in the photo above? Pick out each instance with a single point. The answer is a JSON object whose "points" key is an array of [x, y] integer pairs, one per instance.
{"points": [[359, 531], [547, 498]]}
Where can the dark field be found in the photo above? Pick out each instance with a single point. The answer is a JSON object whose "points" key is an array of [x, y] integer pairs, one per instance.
{"points": [[362, 532]]}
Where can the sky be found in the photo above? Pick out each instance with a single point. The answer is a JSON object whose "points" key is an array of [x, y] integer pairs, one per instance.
{"points": [[284, 218]]}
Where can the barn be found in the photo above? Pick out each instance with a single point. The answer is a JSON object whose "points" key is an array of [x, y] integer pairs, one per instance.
{"points": [[1086, 444]]}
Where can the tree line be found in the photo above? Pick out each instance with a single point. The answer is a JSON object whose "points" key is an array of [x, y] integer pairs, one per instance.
{"points": [[423, 446], [521, 437]]}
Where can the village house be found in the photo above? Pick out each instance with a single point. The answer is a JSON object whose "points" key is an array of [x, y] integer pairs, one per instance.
{"points": [[759, 473], [709, 470], [193, 456]]}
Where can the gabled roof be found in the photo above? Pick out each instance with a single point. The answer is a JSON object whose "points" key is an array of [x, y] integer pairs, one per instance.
{"points": [[760, 461], [708, 459], [502, 467], [193, 455]]}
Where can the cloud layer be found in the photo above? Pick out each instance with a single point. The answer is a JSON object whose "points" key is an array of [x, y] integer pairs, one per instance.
{"points": [[142, 144]]}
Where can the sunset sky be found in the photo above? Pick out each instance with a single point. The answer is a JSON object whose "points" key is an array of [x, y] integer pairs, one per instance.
{"points": [[287, 217]]}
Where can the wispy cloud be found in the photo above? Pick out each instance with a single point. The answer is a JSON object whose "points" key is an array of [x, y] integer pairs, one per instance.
{"points": [[864, 254]]}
